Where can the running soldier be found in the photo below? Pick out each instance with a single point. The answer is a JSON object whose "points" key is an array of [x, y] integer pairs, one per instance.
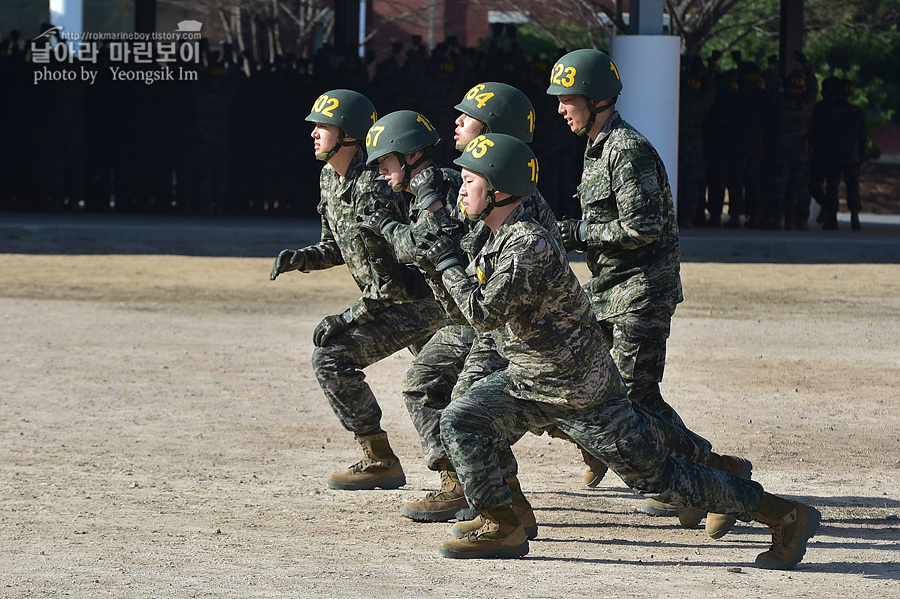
{"points": [[377, 325], [521, 288], [629, 232]]}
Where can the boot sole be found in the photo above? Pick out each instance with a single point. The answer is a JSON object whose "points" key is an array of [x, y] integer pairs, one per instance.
{"points": [[452, 513], [655, 511], [498, 552], [530, 531], [381, 483], [807, 532]]}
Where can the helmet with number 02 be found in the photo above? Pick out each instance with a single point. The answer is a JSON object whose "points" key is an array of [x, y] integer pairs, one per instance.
{"points": [[403, 132], [585, 72], [351, 111], [502, 107], [505, 161]]}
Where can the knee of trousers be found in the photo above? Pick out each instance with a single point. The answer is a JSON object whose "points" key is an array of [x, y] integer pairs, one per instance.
{"points": [[329, 362], [466, 418]]}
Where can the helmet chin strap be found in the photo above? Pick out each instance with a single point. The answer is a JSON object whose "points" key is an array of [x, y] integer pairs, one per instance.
{"points": [[593, 118], [407, 170], [491, 204], [341, 142]]}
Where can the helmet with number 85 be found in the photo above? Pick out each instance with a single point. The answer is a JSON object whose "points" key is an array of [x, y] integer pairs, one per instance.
{"points": [[505, 161], [502, 108], [351, 111], [585, 72], [401, 132]]}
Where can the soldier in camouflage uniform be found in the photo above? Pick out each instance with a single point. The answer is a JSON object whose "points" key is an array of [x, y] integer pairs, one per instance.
{"points": [[629, 232], [393, 142], [521, 288], [377, 325]]}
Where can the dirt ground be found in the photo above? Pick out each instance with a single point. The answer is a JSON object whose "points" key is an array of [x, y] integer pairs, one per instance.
{"points": [[162, 435]]}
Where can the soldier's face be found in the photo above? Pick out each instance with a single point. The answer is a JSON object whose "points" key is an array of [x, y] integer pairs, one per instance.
{"points": [[574, 109], [389, 166], [467, 129], [473, 193], [324, 137]]}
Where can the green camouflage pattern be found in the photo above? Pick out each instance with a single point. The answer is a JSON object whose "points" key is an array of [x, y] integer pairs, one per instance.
{"points": [[341, 201], [520, 288], [339, 365], [476, 423], [633, 252], [382, 324]]}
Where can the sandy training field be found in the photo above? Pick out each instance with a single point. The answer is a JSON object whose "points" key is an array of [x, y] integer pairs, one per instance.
{"points": [[162, 435]]}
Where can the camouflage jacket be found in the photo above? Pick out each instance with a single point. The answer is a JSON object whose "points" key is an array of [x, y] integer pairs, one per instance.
{"points": [[341, 201], [633, 251], [520, 288]]}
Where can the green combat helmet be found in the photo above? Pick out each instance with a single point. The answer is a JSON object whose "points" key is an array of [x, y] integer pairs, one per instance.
{"points": [[502, 108], [401, 132], [589, 73], [351, 111], [506, 162], [586, 72]]}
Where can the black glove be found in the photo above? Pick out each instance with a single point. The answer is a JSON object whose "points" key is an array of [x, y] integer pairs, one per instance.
{"points": [[330, 326], [574, 234], [379, 222], [289, 260], [426, 187], [437, 251]]}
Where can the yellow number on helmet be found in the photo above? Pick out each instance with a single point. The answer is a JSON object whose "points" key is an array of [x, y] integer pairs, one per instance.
{"points": [[424, 121], [612, 67], [474, 91], [372, 140], [478, 146], [326, 105]]}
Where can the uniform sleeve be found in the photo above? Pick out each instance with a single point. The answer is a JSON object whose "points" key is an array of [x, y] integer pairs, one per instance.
{"points": [[517, 278], [636, 185]]}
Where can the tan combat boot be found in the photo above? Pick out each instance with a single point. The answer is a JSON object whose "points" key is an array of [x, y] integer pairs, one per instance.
{"points": [[658, 508], [500, 535], [790, 533], [520, 507], [439, 506], [381, 468], [719, 525], [596, 469]]}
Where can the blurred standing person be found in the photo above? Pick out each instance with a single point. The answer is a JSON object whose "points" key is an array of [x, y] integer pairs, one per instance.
{"points": [[786, 202], [843, 156], [698, 92]]}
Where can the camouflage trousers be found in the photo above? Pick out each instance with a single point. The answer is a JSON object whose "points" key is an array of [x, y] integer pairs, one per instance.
{"points": [[429, 382], [453, 359], [638, 341], [339, 365], [612, 430]]}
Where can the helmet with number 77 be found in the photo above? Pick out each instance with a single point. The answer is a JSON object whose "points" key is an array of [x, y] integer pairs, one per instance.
{"points": [[350, 110], [585, 72], [505, 161], [502, 108]]}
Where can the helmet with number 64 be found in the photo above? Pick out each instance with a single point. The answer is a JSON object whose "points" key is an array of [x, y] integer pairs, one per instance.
{"points": [[502, 107]]}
